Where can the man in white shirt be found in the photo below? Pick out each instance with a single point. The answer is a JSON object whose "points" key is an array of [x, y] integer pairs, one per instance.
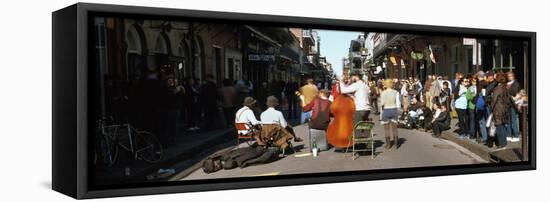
{"points": [[273, 116], [360, 91], [246, 115]]}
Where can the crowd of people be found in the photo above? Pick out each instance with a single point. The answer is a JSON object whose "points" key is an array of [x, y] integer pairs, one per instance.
{"points": [[486, 104], [168, 107]]}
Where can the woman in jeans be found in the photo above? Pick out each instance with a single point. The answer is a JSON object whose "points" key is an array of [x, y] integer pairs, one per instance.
{"points": [[461, 106], [470, 95], [390, 104]]}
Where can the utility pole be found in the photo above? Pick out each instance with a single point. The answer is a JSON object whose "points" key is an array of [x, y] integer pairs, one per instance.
{"points": [[477, 55]]}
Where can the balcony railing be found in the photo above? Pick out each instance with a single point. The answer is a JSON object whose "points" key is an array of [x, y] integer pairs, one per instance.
{"points": [[308, 37]]}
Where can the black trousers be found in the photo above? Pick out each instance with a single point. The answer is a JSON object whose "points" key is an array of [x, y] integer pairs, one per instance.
{"points": [[210, 116], [360, 116], [291, 101], [229, 115], [438, 127], [463, 121]]}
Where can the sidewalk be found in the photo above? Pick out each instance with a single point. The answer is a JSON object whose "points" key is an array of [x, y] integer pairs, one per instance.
{"points": [[187, 146], [512, 152]]}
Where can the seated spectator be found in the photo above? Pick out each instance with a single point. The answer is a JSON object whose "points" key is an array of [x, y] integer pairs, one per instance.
{"points": [[273, 116], [246, 115], [441, 120]]}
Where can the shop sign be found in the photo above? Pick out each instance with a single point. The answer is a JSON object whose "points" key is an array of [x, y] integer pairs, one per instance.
{"points": [[469, 41], [261, 57]]}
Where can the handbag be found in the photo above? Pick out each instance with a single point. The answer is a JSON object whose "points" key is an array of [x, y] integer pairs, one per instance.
{"points": [[454, 114]]}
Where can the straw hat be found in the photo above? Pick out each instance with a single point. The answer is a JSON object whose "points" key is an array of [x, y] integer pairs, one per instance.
{"points": [[249, 101], [272, 101]]}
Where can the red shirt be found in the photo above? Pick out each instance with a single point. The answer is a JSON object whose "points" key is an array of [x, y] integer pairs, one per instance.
{"points": [[320, 117]]}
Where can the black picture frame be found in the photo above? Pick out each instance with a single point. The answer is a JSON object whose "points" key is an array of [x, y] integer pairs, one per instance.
{"points": [[72, 90]]}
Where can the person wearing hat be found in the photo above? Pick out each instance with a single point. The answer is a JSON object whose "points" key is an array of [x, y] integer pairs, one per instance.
{"points": [[360, 93], [245, 114], [273, 116], [390, 104]]}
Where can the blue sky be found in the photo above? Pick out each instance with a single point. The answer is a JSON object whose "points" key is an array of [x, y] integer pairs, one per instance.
{"points": [[335, 46]]}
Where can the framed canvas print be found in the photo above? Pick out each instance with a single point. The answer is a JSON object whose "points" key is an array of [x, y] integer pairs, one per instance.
{"points": [[157, 100]]}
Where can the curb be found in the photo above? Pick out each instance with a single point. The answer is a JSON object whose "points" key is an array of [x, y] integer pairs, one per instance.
{"points": [[474, 147], [188, 153], [491, 155]]}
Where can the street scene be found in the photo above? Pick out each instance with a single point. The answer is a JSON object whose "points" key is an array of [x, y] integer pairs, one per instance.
{"points": [[181, 100]]}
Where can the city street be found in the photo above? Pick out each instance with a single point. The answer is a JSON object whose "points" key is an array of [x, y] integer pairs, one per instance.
{"points": [[418, 149]]}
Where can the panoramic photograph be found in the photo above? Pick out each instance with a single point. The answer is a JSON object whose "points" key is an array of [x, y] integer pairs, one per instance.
{"points": [[184, 100]]}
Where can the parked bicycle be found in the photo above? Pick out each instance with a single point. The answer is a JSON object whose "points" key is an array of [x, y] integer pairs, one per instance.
{"points": [[142, 145]]}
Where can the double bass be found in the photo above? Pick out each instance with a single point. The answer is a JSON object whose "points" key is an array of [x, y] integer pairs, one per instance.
{"points": [[341, 127]]}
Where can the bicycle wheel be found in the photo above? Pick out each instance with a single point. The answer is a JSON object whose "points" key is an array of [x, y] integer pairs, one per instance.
{"points": [[148, 147], [107, 151]]}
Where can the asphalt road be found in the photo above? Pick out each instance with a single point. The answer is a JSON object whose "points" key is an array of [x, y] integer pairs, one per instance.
{"points": [[418, 149]]}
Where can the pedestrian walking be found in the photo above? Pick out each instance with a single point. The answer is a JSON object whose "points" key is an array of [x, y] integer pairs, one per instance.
{"points": [[190, 104], [389, 99], [228, 94], [208, 98]]}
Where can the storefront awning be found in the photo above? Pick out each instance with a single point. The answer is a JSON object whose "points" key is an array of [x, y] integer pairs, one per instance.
{"points": [[289, 54], [263, 36]]}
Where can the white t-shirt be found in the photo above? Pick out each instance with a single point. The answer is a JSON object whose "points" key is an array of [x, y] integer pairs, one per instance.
{"points": [[360, 92], [245, 115], [272, 116]]}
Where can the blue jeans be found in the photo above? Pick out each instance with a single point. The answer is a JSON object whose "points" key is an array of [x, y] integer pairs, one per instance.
{"points": [[482, 119], [305, 116], [501, 135], [513, 124]]}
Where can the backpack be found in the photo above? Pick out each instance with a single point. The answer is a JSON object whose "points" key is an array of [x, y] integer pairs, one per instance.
{"points": [[480, 103]]}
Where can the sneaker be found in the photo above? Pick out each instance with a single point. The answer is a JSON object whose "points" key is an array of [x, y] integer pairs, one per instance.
{"points": [[515, 139], [509, 139]]}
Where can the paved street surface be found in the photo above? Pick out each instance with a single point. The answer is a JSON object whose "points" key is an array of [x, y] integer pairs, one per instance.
{"points": [[418, 149]]}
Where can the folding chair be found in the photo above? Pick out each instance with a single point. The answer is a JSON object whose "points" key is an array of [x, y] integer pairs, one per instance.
{"points": [[361, 138], [248, 136]]}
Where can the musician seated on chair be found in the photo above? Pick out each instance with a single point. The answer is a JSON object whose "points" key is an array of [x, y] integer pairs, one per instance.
{"points": [[246, 115], [273, 116], [320, 108]]}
